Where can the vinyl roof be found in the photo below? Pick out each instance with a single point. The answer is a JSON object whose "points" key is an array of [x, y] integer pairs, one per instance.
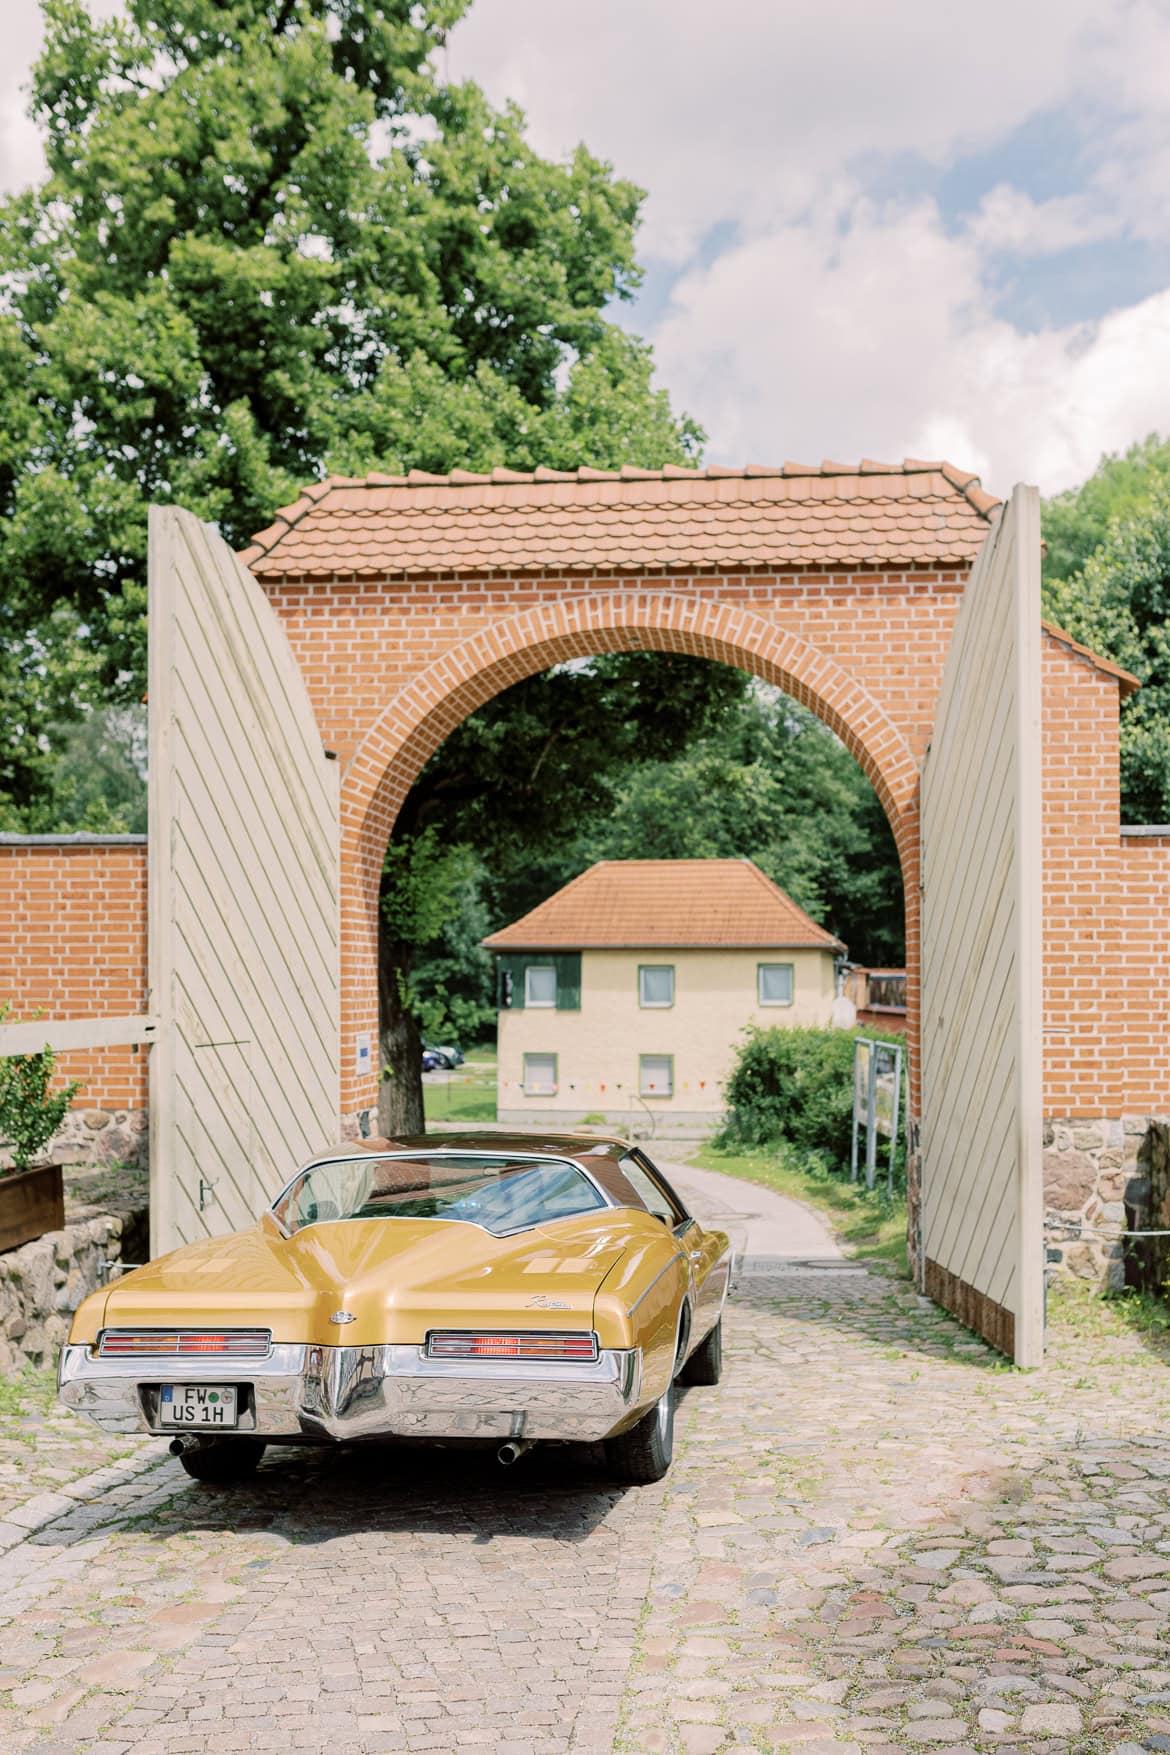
{"points": [[913, 513], [644, 904]]}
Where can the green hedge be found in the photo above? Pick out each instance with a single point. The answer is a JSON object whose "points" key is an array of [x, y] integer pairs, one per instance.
{"points": [[795, 1085]]}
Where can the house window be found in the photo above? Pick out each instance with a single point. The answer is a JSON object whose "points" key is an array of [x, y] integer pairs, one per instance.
{"points": [[656, 1075], [656, 984], [540, 1075], [774, 983], [540, 984]]}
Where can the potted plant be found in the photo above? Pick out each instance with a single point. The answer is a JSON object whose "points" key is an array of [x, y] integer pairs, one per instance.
{"points": [[32, 1199]]}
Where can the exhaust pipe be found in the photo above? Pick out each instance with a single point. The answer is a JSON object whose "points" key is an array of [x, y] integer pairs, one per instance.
{"points": [[513, 1451]]}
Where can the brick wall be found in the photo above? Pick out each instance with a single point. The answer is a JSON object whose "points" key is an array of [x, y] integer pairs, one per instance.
{"points": [[1142, 1014], [73, 945], [393, 666]]}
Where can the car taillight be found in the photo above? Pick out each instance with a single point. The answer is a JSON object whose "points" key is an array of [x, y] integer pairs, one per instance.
{"points": [[460, 1344], [173, 1343]]}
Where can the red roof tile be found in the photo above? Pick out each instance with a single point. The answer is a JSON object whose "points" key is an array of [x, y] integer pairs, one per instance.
{"points": [[833, 514], [1127, 683], [640, 904]]}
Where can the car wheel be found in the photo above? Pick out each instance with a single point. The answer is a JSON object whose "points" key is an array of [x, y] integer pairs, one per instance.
{"points": [[643, 1454], [705, 1365], [223, 1461]]}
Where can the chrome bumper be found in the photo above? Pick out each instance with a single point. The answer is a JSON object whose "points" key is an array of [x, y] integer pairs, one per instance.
{"points": [[339, 1393]]}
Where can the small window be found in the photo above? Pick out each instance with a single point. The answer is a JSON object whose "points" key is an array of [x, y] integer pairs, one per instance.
{"points": [[540, 984], [774, 983], [656, 984], [540, 1075], [654, 1192], [656, 1075]]}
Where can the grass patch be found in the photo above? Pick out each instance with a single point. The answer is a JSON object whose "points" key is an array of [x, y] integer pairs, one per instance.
{"points": [[467, 1094], [870, 1226], [1103, 1316], [29, 1392]]}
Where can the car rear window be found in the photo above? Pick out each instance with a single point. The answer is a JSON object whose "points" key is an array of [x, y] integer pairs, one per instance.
{"points": [[501, 1193]]}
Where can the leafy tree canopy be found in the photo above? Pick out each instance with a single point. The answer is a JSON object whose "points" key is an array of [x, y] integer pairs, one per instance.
{"points": [[1107, 582], [1119, 604], [760, 777], [274, 242], [771, 783], [1076, 522], [515, 786]]}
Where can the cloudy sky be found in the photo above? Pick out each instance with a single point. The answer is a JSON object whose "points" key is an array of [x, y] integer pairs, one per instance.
{"points": [[909, 228]]}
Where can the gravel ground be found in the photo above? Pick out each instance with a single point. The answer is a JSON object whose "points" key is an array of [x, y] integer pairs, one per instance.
{"points": [[875, 1536]]}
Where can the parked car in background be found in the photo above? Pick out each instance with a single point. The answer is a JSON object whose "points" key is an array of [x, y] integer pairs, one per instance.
{"points": [[432, 1061], [508, 1289], [445, 1055]]}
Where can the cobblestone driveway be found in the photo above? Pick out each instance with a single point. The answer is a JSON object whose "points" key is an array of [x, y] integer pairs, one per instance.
{"points": [[873, 1538]]}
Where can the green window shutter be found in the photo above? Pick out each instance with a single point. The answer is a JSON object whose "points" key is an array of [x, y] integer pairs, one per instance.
{"points": [[568, 964], [510, 981]]}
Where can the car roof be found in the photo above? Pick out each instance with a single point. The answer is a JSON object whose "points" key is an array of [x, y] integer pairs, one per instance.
{"points": [[562, 1145]]}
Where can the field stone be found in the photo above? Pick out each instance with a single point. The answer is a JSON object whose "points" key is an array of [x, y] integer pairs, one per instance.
{"points": [[1069, 1179], [1050, 1720]]}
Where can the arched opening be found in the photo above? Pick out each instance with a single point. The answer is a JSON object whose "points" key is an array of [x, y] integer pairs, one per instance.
{"points": [[414, 723]]}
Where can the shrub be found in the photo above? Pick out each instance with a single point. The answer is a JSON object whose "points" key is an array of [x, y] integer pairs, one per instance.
{"points": [[794, 1085], [29, 1113]]}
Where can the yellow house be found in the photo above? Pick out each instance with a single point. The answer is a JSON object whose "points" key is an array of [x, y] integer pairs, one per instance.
{"points": [[622, 998]]}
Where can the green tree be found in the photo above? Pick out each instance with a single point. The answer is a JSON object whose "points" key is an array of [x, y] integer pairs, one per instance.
{"points": [[1119, 604], [635, 757], [515, 784], [771, 783], [273, 242], [1076, 523]]}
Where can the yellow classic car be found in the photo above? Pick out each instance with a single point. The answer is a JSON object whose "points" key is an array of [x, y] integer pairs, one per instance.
{"points": [[476, 1286]]}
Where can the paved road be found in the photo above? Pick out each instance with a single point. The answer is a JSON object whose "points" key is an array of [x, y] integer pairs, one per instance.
{"points": [[873, 1538], [762, 1225]]}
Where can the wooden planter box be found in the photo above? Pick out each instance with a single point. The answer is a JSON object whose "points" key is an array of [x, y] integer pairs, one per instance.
{"points": [[30, 1204]]}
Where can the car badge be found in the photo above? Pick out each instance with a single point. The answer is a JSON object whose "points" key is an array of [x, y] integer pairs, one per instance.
{"points": [[341, 1316], [540, 1302]]}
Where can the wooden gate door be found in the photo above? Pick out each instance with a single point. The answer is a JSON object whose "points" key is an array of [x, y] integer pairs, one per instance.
{"points": [[982, 1199], [243, 934]]}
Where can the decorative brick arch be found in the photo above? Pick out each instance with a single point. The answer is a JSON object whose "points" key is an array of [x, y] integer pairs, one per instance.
{"points": [[415, 721]]}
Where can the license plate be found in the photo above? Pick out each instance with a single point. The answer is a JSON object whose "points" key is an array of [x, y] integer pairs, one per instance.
{"points": [[197, 1404]]}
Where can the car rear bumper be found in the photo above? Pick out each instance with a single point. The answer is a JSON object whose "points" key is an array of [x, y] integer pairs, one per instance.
{"points": [[342, 1393]]}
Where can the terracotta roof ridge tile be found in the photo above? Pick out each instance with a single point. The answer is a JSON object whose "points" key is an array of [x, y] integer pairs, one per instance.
{"points": [[961, 483], [1129, 683]]}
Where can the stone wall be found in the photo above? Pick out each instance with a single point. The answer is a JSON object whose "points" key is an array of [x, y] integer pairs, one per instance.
{"points": [[102, 1136], [42, 1284], [1094, 1185]]}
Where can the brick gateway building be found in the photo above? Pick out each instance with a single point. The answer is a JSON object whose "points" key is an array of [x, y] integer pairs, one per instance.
{"points": [[407, 602]]}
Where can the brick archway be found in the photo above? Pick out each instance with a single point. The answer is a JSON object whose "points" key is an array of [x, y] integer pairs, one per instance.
{"points": [[413, 724]]}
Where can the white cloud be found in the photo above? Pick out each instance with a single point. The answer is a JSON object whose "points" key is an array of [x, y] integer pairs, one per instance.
{"points": [[21, 159], [750, 112], [882, 340], [1009, 220], [829, 322]]}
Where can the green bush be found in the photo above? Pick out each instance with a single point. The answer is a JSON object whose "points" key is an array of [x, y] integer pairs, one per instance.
{"points": [[30, 1113], [795, 1085]]}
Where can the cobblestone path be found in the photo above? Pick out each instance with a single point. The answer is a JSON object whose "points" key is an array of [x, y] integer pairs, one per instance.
{"points": [[873, 1538]]}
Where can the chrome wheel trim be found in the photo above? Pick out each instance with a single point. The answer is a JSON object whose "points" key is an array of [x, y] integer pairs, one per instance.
{"points": [[662, 1420]]}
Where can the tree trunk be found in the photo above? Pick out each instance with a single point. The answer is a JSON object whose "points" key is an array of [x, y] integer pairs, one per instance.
{"points": [[400, 1095]]}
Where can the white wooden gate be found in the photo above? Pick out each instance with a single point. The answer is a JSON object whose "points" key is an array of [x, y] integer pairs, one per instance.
{"points": [[243, 929], [982, 1211]]}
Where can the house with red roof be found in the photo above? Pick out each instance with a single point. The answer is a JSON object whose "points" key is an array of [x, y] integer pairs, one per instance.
{"points": [[623, 997]]}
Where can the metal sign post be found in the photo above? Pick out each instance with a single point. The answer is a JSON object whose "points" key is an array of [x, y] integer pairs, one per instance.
{"points": [[877, 1101]]}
